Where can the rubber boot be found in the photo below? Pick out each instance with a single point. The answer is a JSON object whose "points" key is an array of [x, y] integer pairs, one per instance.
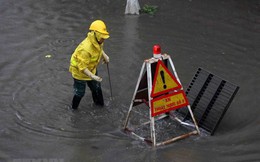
{"points": [[96, 90], [75, 102], [98, 97]]}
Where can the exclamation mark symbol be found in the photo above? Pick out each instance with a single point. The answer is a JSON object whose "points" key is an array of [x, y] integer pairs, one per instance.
{"points": [[163, 79]]}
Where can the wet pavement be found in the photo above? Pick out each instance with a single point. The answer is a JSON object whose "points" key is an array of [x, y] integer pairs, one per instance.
{"points": [[219, 36]]}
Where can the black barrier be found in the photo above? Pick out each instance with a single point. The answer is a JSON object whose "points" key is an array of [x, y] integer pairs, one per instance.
{"points": [[209, 97]]}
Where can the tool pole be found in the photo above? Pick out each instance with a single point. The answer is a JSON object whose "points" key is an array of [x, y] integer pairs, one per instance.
{"points": [[109, 81]]}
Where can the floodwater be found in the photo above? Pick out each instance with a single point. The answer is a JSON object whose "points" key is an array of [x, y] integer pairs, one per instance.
{"points": [[220, 36]]}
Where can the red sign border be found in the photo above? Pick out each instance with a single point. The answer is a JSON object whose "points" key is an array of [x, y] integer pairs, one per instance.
{"points": [[173, 108], [155, 77]]}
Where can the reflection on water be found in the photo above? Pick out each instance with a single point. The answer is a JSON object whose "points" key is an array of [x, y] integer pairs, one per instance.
{"points": [[219, 36]]}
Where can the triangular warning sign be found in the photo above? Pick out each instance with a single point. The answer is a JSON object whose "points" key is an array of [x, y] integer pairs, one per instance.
{"points": [[164, 81]]}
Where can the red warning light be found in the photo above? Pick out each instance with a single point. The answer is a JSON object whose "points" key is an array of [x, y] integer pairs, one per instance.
{"points": [[156, 51]]}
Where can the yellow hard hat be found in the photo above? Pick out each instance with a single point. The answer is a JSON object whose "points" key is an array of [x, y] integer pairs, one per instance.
{"points": [[99, 26]]}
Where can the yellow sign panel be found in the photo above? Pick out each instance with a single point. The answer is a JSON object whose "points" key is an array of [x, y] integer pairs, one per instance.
{"points": [[164, 81], [168, 102]]}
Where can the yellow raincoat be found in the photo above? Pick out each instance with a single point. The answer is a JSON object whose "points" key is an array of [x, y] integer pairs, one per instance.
{"points": [[87, 55]]}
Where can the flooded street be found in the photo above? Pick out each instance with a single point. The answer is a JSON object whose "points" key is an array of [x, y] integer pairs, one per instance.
{"points": [[220, 36]]}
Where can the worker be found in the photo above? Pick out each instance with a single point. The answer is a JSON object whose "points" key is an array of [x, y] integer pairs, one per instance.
{"points": [[84, 62]]}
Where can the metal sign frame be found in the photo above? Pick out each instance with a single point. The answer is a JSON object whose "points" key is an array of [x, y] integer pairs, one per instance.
{"points": [[148, 101]]}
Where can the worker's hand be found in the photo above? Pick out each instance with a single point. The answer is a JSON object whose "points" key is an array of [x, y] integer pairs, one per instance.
{"points": [[96, 78], [105, 57], [92, 76]]}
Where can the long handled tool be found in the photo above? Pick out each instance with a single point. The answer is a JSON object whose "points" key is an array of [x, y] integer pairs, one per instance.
{"points": [[109, 81]]}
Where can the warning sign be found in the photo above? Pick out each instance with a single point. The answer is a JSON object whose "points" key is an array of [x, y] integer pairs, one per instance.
{"points": [[168, 102], [164, 81]]}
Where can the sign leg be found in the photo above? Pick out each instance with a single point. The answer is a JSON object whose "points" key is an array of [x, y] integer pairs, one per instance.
{"points": [[137, 85], [193, 118]]}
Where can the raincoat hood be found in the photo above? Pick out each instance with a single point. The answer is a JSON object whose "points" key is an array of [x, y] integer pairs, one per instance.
{"points": [[94, 38]]}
